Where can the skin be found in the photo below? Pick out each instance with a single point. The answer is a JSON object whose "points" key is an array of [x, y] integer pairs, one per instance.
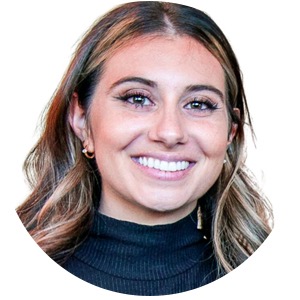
{"points": [[171, 77]]}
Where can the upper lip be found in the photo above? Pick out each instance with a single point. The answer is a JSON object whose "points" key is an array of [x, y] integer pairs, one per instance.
{"points": [[166, 157]]}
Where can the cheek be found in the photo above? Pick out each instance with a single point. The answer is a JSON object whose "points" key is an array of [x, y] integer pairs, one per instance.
{"points": [[213, 139], [113, 132], [106, 136]]}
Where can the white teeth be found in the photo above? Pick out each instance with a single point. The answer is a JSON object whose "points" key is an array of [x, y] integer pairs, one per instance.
{"points": [[162, 165], [150, 162], [156, 164]]}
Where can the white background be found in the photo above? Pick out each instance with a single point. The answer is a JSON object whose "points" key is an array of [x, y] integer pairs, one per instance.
{"points": [[37, 41]]}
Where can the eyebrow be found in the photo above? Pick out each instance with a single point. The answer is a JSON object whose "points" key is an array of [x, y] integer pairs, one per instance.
{"points": [[153, 84], [204, 87], [141, 80]]}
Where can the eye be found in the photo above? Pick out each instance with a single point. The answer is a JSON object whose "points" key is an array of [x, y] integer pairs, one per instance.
{"points": [[139, 100], [136, 99], [202, 105]]}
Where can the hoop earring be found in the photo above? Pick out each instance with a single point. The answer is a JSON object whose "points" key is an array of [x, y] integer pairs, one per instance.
{"points": [[87, 154]]}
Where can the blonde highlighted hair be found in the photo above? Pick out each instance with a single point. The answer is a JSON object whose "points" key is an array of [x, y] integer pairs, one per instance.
{"points": [[66, 186]]}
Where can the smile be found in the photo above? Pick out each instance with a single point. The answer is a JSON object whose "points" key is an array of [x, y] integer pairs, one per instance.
{"points": [[168, 166]]}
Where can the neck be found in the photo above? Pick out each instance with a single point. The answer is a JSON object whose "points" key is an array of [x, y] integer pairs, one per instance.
{"points": [[132, 212]]}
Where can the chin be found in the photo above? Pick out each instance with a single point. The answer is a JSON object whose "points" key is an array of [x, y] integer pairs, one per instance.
{"points": [[165, 204]]}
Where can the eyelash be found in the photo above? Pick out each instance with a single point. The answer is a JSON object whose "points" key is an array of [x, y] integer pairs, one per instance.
{"points": [[141, 95], [210, 106]]}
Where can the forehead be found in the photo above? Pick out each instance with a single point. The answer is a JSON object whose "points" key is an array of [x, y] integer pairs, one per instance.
{"points": [[164, 58]]}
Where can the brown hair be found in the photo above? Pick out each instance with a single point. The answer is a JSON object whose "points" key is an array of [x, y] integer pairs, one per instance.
{"points": [[66, 186]]}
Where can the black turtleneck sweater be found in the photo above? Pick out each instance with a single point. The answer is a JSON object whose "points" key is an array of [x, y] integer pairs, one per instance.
{"points": [[145, 260]]}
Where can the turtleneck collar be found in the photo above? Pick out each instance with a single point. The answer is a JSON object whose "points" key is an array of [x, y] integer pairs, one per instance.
{"points": [[142, 252]]}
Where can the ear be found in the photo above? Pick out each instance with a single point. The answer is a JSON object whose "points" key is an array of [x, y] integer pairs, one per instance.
{"points": [[234, 127], [78, 122]]}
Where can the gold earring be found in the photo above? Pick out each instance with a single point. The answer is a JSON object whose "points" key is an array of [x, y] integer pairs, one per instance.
{"points": [[87, 154], [199, 218], [200, 221]]}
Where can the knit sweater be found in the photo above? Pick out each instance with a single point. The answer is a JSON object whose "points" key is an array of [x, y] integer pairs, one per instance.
{"points": [[145, 260]]}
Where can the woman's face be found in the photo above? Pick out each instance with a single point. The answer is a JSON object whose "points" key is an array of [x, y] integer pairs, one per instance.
{"points": [[159, 128]]}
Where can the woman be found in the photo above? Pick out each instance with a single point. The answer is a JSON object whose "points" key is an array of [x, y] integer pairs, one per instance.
{"points": [[138, 180]]}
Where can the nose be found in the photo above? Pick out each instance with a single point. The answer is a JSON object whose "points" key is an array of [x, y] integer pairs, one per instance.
{"points": [[168, 128]]}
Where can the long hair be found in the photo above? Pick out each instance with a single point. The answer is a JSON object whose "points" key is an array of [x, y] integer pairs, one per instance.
{"points": [[66, 186]]}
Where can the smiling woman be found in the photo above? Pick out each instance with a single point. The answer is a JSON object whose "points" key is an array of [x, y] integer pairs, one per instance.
{"points": [[139, 183], [170, 112]]}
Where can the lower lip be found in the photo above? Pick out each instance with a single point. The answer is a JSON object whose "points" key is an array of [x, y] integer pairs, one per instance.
{"points": [[164, 175]]}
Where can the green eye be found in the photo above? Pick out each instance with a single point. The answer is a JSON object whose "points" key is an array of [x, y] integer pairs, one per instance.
{"points": [[136, 99], [198, 105], [201, 105]]}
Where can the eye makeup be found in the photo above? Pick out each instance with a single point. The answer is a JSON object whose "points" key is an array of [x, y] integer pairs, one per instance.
{"points": [[136, 98], [201, 105]]}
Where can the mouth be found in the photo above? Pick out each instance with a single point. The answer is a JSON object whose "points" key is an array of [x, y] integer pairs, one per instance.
{"points": [[163, 165], [167, 165]]}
